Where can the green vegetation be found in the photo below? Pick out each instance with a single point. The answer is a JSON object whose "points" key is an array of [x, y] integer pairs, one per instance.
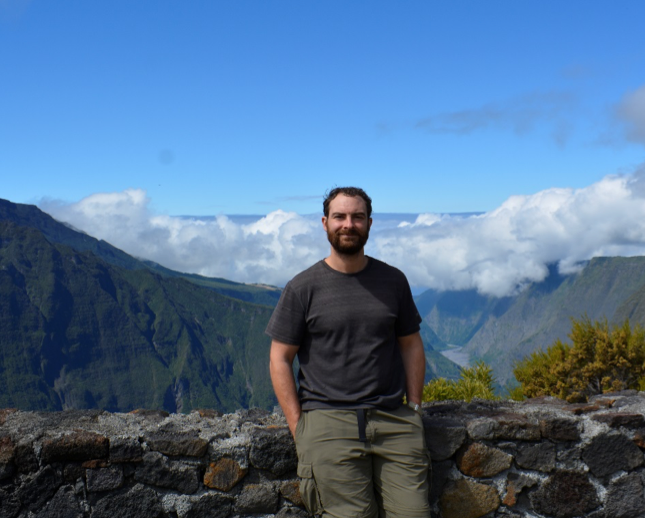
{"points": [[475, 382], [601, 359]]}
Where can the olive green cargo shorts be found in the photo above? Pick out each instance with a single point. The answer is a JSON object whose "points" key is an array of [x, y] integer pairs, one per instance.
{"points": [[343, 477]]}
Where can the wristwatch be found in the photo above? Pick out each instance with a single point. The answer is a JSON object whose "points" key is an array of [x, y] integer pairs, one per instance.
{"points": [[415, 406]]}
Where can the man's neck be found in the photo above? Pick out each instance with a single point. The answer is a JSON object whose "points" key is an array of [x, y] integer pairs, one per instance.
{"points": [[347, 263]]}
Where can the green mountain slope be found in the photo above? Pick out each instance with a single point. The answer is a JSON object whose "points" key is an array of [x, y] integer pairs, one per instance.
{"points": [[502, 331], [56, 232], [79, 332]]}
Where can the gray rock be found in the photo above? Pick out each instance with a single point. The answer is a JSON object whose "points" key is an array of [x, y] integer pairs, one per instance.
{"points": [[273, 449], [444, 437], [210, 506], [138, 502], [608, 453], [65, 504], [625, 497], [104, 479], [125, 449], [9, 505], [257, 498], [559, 429], [157, 470], [564, 495], [292, 512], [175, 444], [540, 456], [615, 420], [42, 487]]}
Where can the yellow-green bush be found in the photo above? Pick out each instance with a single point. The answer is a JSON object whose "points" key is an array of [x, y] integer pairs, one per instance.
{"points": [[475, 382], [601, 359]]}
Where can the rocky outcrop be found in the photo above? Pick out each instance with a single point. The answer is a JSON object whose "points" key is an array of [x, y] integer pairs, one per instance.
{"points": [[541, 458]]}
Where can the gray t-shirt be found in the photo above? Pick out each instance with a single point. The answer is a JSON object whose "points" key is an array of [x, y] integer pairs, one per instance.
{"points": [[347, 327]]}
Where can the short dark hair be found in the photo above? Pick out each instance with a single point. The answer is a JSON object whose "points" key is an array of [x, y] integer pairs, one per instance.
{"points": [[347, 191]]}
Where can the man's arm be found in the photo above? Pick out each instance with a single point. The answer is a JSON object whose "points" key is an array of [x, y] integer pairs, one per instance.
{"points": [[414, 363], [284, 384]]}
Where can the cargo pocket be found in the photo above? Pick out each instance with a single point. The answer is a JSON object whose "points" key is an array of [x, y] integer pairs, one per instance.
{"points": [[308, 489]]}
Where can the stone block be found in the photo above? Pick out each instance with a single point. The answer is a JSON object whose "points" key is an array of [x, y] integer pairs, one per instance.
{"points": [[157, 470], [564, 495], [292, 512], [479, 460], [620, 419], [274, 450], [35, 493], [138, 502], [257, 498], [466, 498], [559, 429], [290, 490], [176, 444], [125, 449], [625, 497], [444, 437], [517, 427], [224, 474], [64, 504], [75, 446], [540, 456], [9, 504], [608, 453], [104, 479], [210, 505], [25, 458], [515, 484]]}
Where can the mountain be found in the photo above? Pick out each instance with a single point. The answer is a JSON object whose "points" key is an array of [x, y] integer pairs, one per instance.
{"points": [[56, 232], [80, 332], [85, 325], [503, 330]]}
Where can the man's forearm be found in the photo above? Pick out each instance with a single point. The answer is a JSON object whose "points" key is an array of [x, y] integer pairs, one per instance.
{"points": [[284, 386], [414, 363]]}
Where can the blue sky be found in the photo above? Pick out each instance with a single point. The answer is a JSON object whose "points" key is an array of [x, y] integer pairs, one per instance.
{"points": [[120, 116], [245, 107]]}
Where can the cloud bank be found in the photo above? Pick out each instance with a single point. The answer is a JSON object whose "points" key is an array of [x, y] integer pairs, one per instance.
{"points": [[497, 252]]}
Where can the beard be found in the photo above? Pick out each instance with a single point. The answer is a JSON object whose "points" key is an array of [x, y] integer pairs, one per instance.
{"points": [[348, 246]]}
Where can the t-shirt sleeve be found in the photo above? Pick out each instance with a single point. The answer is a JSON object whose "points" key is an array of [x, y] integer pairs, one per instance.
{"points": [[409, 320], [287, 323]]}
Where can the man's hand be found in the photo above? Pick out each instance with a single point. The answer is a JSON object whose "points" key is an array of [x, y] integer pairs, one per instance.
{"points": [[414, 364], [284, 384]]}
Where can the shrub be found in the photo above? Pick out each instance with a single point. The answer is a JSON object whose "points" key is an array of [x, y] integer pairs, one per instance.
{"points": [[601, 359], [475, 382]]}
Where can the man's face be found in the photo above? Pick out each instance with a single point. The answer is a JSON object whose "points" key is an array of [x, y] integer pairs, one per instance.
{"points": [[347, 226]]}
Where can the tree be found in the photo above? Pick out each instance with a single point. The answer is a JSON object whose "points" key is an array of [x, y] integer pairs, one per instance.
{"points": [[600, 359]]}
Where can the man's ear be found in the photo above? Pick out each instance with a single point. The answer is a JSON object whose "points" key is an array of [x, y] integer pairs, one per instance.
{"points": [[324, 222], [370, 223]]}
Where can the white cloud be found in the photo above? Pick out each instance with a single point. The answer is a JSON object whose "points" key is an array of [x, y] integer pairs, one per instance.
{"points": [[497, 252]]}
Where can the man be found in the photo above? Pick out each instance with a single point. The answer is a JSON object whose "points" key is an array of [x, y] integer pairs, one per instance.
{"points": [[352, 323]]}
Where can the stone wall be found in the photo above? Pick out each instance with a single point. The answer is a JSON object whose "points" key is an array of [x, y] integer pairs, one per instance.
{"points": [[490, 459]]}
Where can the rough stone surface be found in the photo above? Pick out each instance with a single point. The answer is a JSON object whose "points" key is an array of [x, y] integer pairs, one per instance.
{"points": [[125, 449], [273, 449], [564, 495], [444, 436], [63, 505], [155, 469], [479, 460], [292, 512], [224, 474], [177, 444], [290, 489], [625, 497], [540, 456], [621, 419], [559, 429], [608, 453], [515, 484], [468, 499], [210, 506], [257, 498], [79, 445], [104, 479], [40, 489], [138, 502]]}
